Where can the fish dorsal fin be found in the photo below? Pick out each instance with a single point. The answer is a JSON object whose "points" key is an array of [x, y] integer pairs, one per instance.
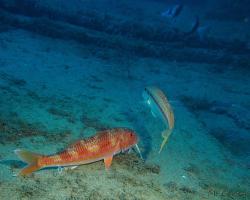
{"points": [[108, 162]]}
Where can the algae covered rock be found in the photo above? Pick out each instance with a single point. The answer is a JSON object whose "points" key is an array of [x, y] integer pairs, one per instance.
{"points": [[128, 178]]}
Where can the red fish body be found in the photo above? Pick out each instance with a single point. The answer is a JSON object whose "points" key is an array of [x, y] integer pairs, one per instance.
{"points": [[104, 145]]}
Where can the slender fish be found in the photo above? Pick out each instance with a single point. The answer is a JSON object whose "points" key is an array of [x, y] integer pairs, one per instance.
{"points": [[194, 28], [160, 107], [102, 146], [173, 11]]}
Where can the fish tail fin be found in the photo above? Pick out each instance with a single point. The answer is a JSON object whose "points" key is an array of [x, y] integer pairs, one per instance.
{"points": [[165, 134], [31, 159]]}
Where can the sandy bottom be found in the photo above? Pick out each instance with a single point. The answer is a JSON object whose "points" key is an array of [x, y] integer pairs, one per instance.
{"points": [[54, 92]]}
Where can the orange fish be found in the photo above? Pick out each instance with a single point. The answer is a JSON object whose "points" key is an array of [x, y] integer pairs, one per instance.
{"points": [[104, 145]]}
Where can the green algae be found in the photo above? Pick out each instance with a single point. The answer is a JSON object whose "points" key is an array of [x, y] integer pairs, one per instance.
{"points": [[126, 179], [62, 114], [88, 121], [192, 170], [14, 130], [11, 80], [223, 192]]}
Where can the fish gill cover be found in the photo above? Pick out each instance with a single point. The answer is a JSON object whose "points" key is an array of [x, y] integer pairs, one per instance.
{"points": [[71, 69]]}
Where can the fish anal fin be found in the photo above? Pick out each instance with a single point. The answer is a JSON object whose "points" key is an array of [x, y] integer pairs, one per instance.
{"points": [[108, 162]]}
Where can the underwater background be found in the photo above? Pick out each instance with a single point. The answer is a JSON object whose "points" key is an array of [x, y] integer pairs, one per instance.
{"points": [[71, 68]]}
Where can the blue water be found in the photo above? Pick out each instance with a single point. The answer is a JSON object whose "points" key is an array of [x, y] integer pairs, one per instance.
{"points": [[69, 69]]}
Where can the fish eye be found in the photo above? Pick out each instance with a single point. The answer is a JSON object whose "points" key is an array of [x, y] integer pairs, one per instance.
{"points": [[130, 134]]}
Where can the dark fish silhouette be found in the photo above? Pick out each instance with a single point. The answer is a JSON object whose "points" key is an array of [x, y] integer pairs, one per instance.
{"points": [[173, 12]]}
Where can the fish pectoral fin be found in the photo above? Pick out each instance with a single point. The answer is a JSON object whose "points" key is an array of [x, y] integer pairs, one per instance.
{"points": [[154, 115], [108, 162], [73, 167], [165, 134]]}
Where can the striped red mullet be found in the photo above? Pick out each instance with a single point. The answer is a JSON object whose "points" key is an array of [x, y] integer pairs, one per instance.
{"points": [[104, 145]]}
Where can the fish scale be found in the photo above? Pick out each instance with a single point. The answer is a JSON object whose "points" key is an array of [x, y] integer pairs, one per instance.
{"points": [[102, 146], [160, 100]]}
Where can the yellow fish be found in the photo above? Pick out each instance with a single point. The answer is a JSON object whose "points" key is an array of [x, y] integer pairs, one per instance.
{"points": [[160, 107]]}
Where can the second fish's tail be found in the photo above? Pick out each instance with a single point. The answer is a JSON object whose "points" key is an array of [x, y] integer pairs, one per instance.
{"points": [[165, 134]]}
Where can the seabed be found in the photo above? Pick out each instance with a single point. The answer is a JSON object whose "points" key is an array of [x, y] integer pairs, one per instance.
{"points": [[60, 85]]}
